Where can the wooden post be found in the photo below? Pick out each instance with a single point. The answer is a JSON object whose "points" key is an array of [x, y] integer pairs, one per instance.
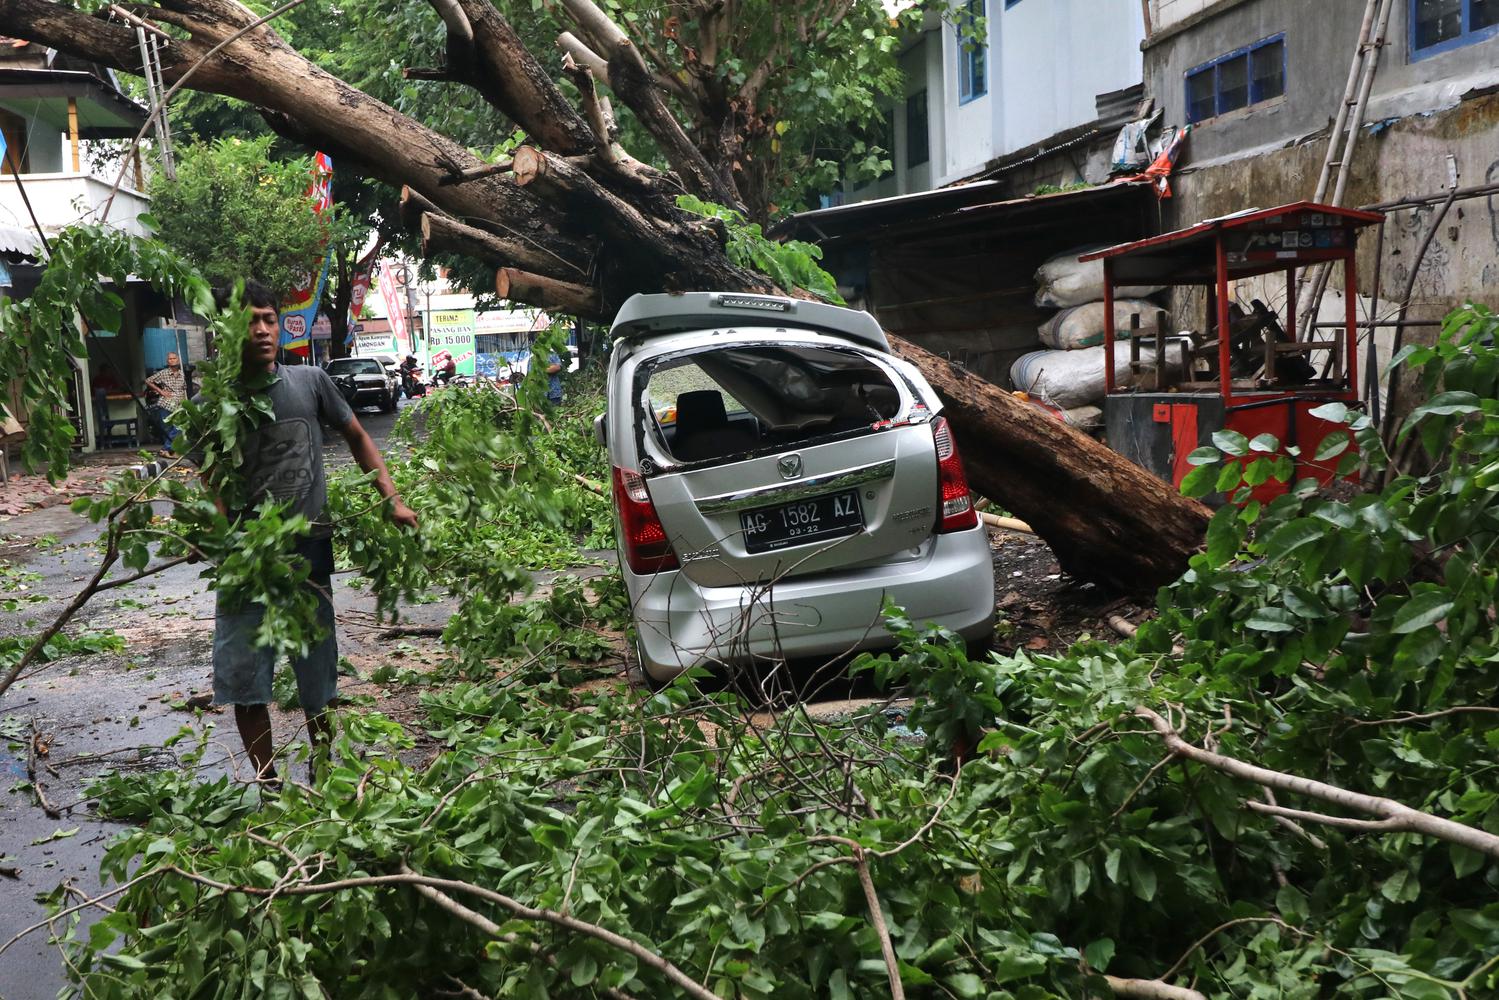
{"points": [[140, 176], [1108, 327], [73, 133], [1350, 319], [1225, 377], [1162, 381]]}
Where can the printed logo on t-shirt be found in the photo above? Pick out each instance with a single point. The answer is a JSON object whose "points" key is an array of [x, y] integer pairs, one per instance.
{"points": [[282, 468]]}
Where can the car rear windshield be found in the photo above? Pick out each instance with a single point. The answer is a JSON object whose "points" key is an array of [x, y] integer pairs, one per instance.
{"points": [[355, 366], [716, 403]]}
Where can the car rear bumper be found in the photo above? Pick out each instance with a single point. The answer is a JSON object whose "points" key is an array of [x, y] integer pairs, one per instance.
{"points": [[682, 624]]}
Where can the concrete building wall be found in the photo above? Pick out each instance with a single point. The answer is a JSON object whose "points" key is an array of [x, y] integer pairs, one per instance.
{"points": [[1320, 40], [1423, 111]]}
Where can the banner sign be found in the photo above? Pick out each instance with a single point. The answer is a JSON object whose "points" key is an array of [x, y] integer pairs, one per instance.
{"points": [[363, 271], [366, 344], [299, 310], [453, 331], [393, 291]]}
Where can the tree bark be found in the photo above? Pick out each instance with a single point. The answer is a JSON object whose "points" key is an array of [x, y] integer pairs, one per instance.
{"points": [[549, 293], [1106, 518]]}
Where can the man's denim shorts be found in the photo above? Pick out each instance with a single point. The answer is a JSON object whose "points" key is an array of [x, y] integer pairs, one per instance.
{"points": [[242, 671]]}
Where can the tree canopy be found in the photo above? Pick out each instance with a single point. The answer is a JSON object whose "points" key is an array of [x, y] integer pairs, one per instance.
{"points": [[235, 212]]}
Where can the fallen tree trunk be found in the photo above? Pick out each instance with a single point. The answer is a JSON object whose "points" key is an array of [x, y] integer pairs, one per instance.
{"points": [[1106, 518]]}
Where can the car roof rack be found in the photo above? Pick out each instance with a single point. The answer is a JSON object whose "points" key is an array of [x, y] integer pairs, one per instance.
{"points": [[644, 316]]}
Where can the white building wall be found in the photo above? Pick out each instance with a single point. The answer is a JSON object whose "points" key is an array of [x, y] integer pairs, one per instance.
{"points": [[1056, 56], [972, 127], [1046, 63]]}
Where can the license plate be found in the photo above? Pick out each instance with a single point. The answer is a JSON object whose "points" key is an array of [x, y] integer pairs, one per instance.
{"points": [[769, 528]]}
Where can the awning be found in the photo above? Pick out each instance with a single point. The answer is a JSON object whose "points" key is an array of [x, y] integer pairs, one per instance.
{"points": [[17, 244], [42, 94]]}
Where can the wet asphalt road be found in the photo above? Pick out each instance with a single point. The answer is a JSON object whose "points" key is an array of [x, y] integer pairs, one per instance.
{"points": [[115, 704]]}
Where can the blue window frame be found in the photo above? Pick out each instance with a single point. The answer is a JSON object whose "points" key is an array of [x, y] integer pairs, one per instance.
{"points": [[973, 68], [1238, 79], [1441, 25]]}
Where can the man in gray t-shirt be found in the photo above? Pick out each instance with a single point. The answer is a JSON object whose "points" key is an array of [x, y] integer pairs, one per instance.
{"points": [[283, 460]]}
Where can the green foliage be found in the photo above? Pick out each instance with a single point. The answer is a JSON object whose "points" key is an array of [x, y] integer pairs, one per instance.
{"points": [[1350, 641], [40, 337], [791, 265], [236, 212]]}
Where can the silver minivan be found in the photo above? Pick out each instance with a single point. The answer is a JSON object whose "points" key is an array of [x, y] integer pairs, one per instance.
{"points": [[778, 475]]}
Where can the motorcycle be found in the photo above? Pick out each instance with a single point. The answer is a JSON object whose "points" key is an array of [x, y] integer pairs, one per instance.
{"points": [[412, 384]]}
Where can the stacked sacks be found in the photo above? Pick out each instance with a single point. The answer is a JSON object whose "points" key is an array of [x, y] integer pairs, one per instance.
{"points": [[1071, 372]]}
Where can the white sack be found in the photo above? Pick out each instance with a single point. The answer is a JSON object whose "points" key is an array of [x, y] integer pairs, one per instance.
{"points": [[1082, 326], [1070, 379], [1064, 281]]}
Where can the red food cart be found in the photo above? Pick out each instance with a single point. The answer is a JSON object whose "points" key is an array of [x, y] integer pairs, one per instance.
{"points": [[1247, 370]]}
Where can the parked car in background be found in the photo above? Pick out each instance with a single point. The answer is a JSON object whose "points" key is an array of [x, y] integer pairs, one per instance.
{"points": [[778, 475], [390, 363], [365, 382]]}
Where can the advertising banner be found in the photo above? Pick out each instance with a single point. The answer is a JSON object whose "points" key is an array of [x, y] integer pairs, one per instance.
{"points": [[393, 291], [452, 330], [299, 309], [364, 270]]}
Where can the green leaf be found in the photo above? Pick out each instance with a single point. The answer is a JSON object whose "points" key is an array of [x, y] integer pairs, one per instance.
{"points": [[1199, 482], [1264, 443], [1099, 954], [1292, 536], [1272, 620], [965, 984], [1332, 446], [1231, 443], [1225, 533], [1426, 608], [1334, 412], [1447, 404]]}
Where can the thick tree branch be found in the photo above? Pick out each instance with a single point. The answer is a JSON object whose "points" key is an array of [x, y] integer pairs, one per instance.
{"points": [[582, 78], [1150, 989], [538, 290], [509, 77], [677, 249], [443, 234], [1395, 815], [572, 45]]}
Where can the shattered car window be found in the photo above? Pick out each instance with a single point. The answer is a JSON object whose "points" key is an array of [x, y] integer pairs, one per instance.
{"points": [[717, 403]]}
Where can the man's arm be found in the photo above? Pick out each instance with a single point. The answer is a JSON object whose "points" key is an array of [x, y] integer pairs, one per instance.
{"points": [[368, 458]]}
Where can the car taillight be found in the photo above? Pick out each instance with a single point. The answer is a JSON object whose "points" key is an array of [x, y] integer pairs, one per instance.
{"points": [[956, 512], [647, 549]]}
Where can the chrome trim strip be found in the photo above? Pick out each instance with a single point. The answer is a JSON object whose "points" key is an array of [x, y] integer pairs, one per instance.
{"points": [[786, 492]]}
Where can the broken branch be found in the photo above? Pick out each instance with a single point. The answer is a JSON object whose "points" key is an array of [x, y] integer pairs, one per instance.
{"points": [[474, 173], [1396, 815], [877, 918], [516, 908], [572, 45], [547, 293], [1150, 989]]}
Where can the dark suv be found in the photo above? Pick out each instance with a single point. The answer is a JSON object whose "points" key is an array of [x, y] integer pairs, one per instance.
{"points": [[364, 382]]}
